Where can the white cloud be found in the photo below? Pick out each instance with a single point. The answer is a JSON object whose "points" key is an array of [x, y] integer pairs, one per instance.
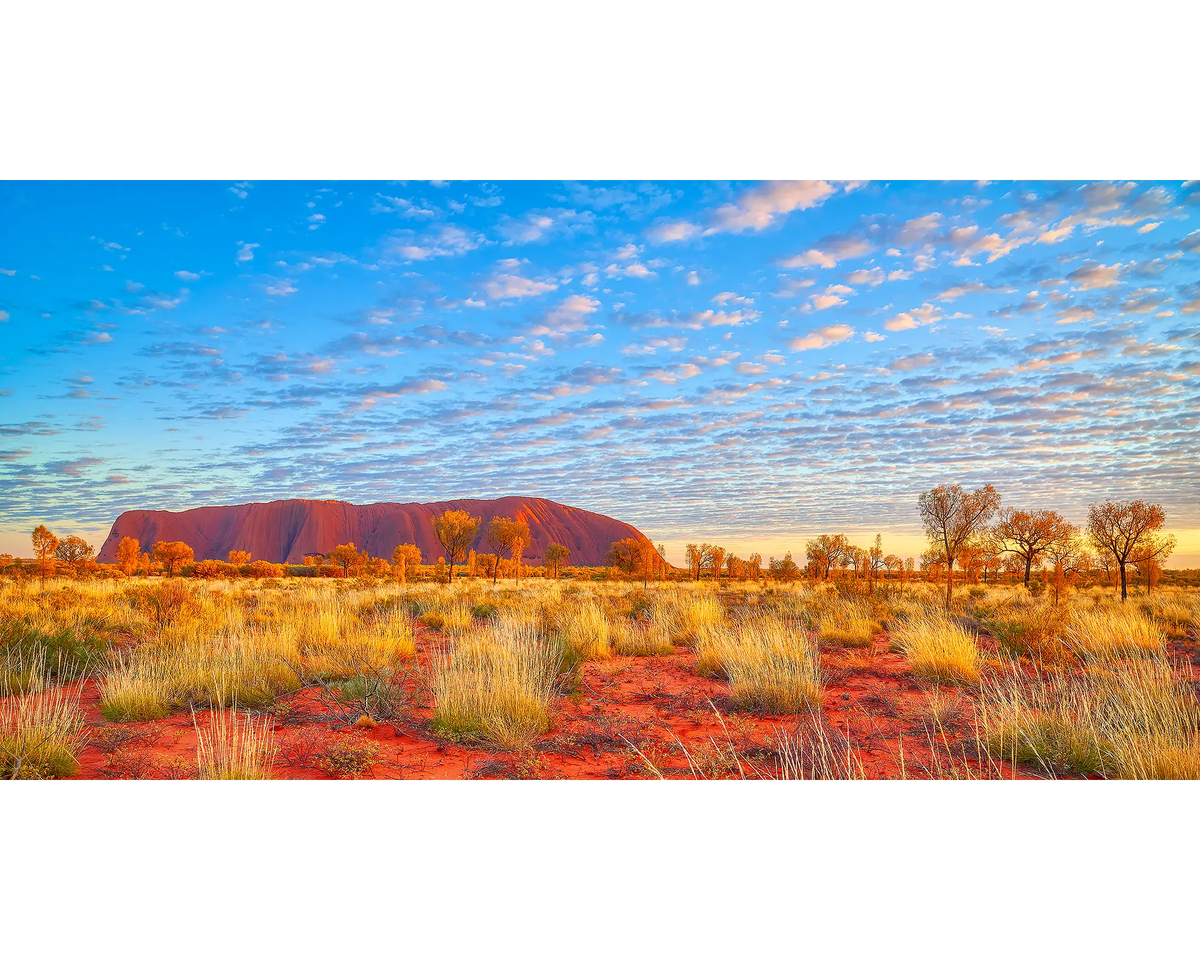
{"points": [[187, 275], [758, 208], [446, 240], [246, 251], [570, 316], [922, 316], [1096, 276], [670, 231], [280, 288], [822, 337]]}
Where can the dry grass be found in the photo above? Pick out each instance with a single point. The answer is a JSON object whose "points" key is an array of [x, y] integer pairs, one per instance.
{"points": [[233, 748], [496, 685], [1101, 633], [41, 732], [1132, 719], [633, 639], [937, 648], [585, 629], [771, 667], [845, 623]]}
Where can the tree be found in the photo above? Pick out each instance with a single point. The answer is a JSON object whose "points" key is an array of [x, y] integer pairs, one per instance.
{"points": [[875, 560], [952, 518], [1068, 555], [1029, 533], [1123, 529], [402, 556], [456, 530], [754, 566], [239, 558], [501, 535], [346, 556], [173, 554], [75, 552], [634, 555], [128, 552], [44, 545], [827, 553], [785, 570], [555, 554], [519, 543], [716, 560]]}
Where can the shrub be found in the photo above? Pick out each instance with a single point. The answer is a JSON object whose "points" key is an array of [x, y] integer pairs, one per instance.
{"points": [[346, 757]]}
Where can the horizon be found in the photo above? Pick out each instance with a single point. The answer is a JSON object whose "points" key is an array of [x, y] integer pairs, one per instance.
{"points": [[705, 361]]}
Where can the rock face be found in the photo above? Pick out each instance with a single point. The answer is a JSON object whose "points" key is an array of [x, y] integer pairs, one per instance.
{"points": [[284, 531]]}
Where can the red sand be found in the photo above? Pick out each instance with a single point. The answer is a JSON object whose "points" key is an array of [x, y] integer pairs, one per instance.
{"points": [[656, 703]]}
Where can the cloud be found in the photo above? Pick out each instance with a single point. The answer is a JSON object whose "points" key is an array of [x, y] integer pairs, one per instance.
{"points": [[570, 316], [1096, 276], [280, 288], [73, 468], [246, 251], [822, 337], [914, 361], [831, 252], [760, 207], [187, 275], [1191, 243], [672, 231], [962, 289], [922, 316], [444, 240], [509, 286], [540, 225]]}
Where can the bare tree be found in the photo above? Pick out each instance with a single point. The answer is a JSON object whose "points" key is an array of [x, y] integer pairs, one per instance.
{"points": [[1029, 533], [827, 553], [952, 517], [1125, 529]]}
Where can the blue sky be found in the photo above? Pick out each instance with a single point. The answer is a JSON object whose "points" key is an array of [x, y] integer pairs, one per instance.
{"points": [[745, 363]]}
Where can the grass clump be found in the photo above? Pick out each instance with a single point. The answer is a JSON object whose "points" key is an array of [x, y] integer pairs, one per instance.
{"points": [[41, 732], [771, 667], [633, 639], [496, 685], [233, 748], [1100, 633], [585, 629], [937, 648], [1131, 719], [1034, 631], [845, 624]]}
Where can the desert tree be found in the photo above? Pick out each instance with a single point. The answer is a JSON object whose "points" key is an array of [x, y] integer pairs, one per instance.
{"points": [[1027, 534], [239, 558], [173, 554], [733, 567], [456, 531], [716, 560], [75, 552], [634, 555], [1069, 559], [521, 539], [346, 556], [661, 563], [875, 560], [953, 518], [785, 570], [754, 566], [827, 553], [404, 555], [500, 535], [555, 554], [44, 545], [697, 556], [1124, 529], [128, 554]]}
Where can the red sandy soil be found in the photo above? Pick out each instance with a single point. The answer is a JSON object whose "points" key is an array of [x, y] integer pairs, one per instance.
{"points": [[658, 704], [285, 531]]}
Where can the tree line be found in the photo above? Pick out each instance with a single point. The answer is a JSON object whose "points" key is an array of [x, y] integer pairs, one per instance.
{"points": [[969, 535]]}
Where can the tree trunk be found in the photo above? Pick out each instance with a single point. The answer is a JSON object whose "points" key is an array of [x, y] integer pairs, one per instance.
{"points": [[1124, 588], [496, 569], [949, 582], [1028, 564]]}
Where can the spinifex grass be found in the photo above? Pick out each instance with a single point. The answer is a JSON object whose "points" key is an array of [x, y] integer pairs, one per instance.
{"points": [[772, 667], [233, 748], [845, 623], [585, 629], [938, 648], [631, 638], [41, 731], [1102, 633], [1132, 719], [496, 685]]}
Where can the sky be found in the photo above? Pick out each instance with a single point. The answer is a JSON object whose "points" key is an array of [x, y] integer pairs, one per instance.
{"points": [[745, 363]]}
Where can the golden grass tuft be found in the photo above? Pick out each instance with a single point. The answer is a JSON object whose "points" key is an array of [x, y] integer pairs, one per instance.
{"points": [[845, 623], [1100, 633], [937, 648], [233, 748], [585, 629], [1128, 719], [771, 667], [633, 639], [496, 685], [41, 732]]}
